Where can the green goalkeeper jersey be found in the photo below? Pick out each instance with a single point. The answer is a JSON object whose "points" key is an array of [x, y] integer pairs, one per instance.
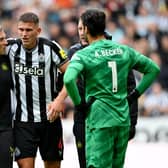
{"points": [[105, 66]]}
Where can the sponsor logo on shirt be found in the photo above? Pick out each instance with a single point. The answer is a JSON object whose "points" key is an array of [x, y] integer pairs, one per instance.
{"points": [[22, 69], [41, 58]]}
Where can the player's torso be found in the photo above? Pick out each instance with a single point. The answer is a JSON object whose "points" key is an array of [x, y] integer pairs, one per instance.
{"points": [[106, 68], [34, 74]]}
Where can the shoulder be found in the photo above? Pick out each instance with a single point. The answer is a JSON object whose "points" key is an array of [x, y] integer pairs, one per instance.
{"points": [[73, 49], [80, 54], [76, 46], [45, 41], [12, 41], [54, 47], [14, 45]]}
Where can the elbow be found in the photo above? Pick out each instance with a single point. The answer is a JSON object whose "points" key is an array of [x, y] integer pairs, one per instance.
{"points": [[67, 79], [158, 70]]}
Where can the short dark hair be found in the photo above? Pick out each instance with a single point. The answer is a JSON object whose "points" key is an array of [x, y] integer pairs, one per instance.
{"points": [[29, 17], [95, 21]]}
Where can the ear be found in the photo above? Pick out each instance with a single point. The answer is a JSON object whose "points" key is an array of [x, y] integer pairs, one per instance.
{"points": [[39, 30]]}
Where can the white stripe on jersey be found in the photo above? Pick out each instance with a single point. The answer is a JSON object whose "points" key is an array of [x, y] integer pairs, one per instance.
{"points": [[22, 97]]}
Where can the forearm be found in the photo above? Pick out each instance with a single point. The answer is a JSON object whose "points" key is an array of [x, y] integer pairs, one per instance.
{"points": [[57, 105], [71, 86], [147, 79], [62, 95]]}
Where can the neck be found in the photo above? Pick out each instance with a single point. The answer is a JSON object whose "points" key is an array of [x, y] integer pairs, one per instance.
{"points": [[94, 39]]}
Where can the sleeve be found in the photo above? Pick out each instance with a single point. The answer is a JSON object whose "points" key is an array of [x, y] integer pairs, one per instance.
{"points": [[70, 53], [147, 67], [70, 77], [59, 56], [74, 49], [11, 41]]}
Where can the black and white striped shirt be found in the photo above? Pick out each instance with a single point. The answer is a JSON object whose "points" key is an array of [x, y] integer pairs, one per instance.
{"points": [[34, 74]]}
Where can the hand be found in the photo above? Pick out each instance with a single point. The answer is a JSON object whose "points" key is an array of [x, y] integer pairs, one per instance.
{"points": [[132, 132], [84, 106], [132, 96], [55, 108]]}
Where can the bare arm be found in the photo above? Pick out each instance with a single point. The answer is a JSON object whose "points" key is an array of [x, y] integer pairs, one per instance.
{"points": [[57, 105]]}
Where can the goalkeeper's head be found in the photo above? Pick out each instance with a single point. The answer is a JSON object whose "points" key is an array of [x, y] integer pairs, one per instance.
{"points": [[94, 20]]}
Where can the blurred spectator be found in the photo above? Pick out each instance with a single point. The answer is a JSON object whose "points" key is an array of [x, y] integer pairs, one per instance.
{"points": [[153, 35], [116, 8], [154, 55], [116, 32], [162, 16], [64, 41], [65, 3], [163, 49], [70, 30], [142, 45], [54, 31], [130, 32], [163, 52], [156, 102], [143, 20], [163, 76]]}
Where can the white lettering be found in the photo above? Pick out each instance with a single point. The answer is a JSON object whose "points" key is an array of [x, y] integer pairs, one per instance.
{"points": [[108, 52], [22, 69]]}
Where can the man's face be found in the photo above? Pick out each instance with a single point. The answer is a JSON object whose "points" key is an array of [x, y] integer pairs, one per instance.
{"points": [[82, 35], [3, 42], [28, 32]]}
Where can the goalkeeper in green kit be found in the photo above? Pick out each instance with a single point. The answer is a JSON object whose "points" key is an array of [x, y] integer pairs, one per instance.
{"points": [[104, 66]]}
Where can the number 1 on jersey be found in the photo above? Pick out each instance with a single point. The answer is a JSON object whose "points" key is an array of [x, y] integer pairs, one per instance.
{"points": [[113, 66]]}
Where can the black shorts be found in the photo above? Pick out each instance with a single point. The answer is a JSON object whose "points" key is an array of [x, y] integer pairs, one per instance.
{"points": [[46, 136], [6, 148]]}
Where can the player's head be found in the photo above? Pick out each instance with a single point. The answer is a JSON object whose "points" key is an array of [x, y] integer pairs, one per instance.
{"points": [[81, 33], [3, 41], [28, 29], [94, 21]]}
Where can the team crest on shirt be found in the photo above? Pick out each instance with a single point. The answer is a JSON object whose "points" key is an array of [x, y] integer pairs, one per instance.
{"points": [[41, 58]]}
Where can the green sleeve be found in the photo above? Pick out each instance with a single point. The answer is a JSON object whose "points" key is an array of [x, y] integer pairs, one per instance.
{"points": [[147, 67], [70, 78], [148, 77]]}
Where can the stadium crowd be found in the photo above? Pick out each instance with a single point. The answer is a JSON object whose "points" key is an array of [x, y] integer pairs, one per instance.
{"points": [[141, 24]]}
